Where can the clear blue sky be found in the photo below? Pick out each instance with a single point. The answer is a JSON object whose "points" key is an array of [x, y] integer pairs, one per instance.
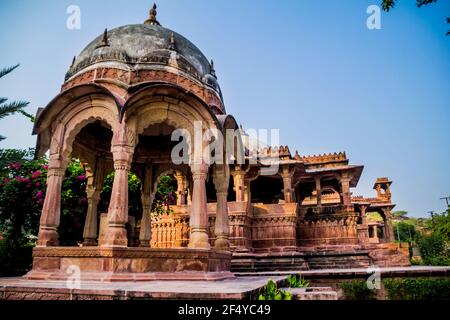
{"points": [[311, 68]]}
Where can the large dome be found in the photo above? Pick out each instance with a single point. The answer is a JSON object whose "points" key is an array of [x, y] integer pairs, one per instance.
{"points": [[141, 45]]}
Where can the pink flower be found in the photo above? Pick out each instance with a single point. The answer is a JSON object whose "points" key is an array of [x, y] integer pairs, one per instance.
{"points": [[81, 178], [38, 184], [15, 166], [39, 195], [22, 179], [35, 175], [45, 167]]}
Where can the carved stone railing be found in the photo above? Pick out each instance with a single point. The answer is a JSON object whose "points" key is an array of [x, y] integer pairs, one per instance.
{"points": [[333, 227], [274, 227]]}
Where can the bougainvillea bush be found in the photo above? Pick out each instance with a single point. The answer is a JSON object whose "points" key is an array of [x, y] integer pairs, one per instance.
{"points": [[22, 194]]}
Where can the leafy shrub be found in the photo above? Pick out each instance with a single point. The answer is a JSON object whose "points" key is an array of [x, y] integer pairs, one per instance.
{"points": [[22, 193], [297, 282], [271, 292], [417, 289], [357, 290], [165, 196], [406, 231], [433, 249]]}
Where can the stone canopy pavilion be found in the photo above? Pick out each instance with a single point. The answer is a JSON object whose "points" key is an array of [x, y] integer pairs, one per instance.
{"points": [[122, 98]]}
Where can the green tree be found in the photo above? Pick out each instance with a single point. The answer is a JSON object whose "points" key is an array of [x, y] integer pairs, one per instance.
{"points": [[406, 231], [440, 224], [9, 108], [399, 214], [433, 249], [389, 4]]}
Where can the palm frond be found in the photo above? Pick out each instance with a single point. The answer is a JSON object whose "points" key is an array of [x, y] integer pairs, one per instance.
{"points": [[387, 4], [2, 137], [5, 71], [2, 100], [28, 115], [448, 21], [420, 3], [11, 108]]}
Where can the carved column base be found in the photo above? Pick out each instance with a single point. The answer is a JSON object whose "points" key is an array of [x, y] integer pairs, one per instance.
{"points": [[222, 243], [199, 239], [48, 237], [89, 242], [116, 236], [144, 244]]}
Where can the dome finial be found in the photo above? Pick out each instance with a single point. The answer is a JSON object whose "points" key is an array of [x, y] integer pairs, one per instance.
{"points": [[152, 17], [172, 45], [104, 42], [213, 71]]}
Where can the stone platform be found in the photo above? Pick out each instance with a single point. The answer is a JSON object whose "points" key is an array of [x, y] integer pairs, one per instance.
{"points": [[238, 288], [129, 264], [245, 288]]}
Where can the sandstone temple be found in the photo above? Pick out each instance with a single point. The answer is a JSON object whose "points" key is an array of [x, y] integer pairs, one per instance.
{"points": [[122, 98]]}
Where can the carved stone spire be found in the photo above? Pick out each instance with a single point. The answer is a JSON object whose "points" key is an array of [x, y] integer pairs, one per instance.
{"points": [[213, 71], [152, 17], [73, 61], [105, 42], [172, 45]]}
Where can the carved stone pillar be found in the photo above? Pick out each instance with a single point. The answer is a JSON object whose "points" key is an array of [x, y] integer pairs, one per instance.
{"points": [[375, 232], [288, 191], [51, 211], [147, 197], [145, 232], [388, 228], [363, 209], [345, 190], [181, 189], [247, 190], [90, 232], [199, 212], [189, 196], [116, 234], [318, 192], [239, 184], [93, 190], [222, 227]]}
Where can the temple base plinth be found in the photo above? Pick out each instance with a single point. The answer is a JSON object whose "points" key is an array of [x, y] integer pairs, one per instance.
{"points": [[129, 264]]}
